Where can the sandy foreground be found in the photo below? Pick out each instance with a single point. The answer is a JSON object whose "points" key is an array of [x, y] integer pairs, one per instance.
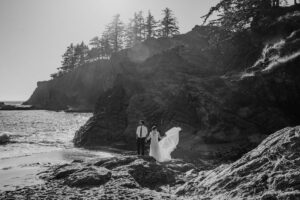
{"points": [[18, 172]]}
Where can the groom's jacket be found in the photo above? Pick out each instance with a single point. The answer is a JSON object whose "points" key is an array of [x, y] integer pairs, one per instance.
{"points": [[141, 131]]}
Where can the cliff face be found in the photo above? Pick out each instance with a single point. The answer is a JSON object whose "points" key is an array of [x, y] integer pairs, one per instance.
{"points": [[227, 96], [76, 90], [226, 92]]}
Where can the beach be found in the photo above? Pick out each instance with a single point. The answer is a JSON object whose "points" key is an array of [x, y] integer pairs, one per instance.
{"points": [[38, 140]]}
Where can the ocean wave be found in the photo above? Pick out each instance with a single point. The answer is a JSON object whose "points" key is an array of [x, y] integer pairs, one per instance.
{"points": [[38, 131]]}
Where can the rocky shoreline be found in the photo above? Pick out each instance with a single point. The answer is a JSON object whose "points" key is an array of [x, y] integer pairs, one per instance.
{"points": [[270, 171], [3, 106]]}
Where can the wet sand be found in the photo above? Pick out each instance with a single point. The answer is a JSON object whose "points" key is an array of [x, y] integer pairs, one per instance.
{"points": [[23, 171]]}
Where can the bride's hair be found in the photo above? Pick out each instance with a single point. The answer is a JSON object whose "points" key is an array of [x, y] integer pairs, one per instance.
{"points": [[154, 127]]}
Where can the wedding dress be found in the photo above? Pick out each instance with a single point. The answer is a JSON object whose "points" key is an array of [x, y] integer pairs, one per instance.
{"points": [[162, 150]]}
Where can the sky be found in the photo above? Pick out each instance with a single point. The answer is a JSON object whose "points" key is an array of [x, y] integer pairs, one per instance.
{"points": [[35, 33]]}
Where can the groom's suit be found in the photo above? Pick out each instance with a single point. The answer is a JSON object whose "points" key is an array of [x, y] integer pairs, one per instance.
{"points": [[141, 134]]}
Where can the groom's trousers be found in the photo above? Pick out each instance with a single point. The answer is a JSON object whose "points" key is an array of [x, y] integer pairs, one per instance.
{"points": [[140, 143]]}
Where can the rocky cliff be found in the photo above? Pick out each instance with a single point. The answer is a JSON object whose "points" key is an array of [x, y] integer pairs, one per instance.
{"points": [[77, 90], [226, 92], [270, 171]]}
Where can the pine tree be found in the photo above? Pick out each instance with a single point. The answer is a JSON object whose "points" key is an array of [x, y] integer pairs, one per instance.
{"points": [[150, 26], [105, 46], [68, 62], [77, 55], [95, 52], [168, 24], [129, 36], [95, 42], [140, 26], [135, 30], [115, 31], [83, 56]]}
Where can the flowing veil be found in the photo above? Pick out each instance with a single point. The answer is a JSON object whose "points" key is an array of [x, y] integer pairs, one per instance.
{"points": [[169, 143]]}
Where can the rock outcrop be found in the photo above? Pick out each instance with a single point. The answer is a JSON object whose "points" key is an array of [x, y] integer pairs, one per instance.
{"points": [[3, 106], [270, 171], [4, 138], [227, 96], [124, 177], [75, 91]]}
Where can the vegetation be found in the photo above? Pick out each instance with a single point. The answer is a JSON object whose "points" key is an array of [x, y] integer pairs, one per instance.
{"points": [[116, 37], [74, 56], [169, 24], [237, 15]]}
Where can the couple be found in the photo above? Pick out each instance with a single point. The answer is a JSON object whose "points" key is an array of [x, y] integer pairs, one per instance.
{"points": [[159, 150]]}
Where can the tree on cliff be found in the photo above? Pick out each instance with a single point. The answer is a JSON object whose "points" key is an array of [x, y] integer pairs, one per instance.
{"points": [[237, 15], [95, 52], [101, 48], [168, 24], [150, 26], [135, 30], [80, 54], [105, 46], [68, 59], [115, 31]]}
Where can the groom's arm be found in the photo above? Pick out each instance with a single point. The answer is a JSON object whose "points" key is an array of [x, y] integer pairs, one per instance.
{"points": [[137, 132]]}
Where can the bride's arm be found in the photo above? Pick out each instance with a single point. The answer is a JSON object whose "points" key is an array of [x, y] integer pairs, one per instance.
{"points": [[159, 136]]}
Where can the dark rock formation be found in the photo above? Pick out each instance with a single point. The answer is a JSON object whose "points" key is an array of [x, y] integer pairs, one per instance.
{"points": [[4, 138], [122, 177], [227, 95], [76, 91], [270, 171], [88, 177], [3, 106]]}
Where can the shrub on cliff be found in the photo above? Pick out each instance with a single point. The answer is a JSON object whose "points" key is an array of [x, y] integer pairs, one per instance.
{"points": [[238, 15]]}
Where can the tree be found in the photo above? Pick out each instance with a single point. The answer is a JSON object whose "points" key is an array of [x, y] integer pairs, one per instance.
{"points": [[115, 31], [95, 52], [169, 25], [105, 46], [135, 30], [130, 36], [140, 26], [68, 62], [95, 42], [80, 54], [237, 15], [150, 26]]}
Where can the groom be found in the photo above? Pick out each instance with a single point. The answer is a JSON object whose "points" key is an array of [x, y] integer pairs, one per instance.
{"points": [[141, 134]]}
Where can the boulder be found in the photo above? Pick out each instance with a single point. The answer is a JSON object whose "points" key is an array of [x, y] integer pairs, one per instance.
{"points": [[87, 177], [4, 138], [270, 171]]}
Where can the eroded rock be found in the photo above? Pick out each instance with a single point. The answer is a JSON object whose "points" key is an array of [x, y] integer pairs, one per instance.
{"points": [[270, 171], [90, 176]]}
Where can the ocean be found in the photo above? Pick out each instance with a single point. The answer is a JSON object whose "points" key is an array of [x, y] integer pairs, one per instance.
{"points": [[39, 138]]}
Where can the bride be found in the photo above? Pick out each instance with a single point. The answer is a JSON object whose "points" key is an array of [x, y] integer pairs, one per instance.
{"points": [[161, 150]]}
